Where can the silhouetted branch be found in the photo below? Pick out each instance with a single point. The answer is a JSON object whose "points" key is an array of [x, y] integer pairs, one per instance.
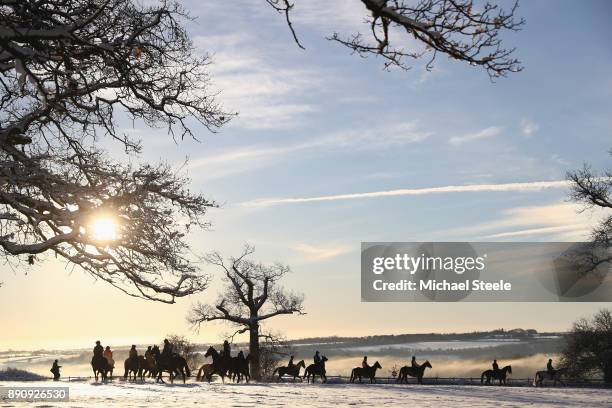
{"points": [[595, 191], [284, 7], [461, 29]]}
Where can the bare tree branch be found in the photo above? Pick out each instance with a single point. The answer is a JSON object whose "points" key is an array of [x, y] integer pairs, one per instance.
{"points": [[463, 30], [284, 7]]}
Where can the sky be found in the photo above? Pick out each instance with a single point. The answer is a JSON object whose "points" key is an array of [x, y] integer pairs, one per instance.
{"points": [[330, 150]]}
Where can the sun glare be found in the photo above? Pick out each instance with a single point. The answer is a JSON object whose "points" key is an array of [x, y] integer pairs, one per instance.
{"points": [[103, 229]]}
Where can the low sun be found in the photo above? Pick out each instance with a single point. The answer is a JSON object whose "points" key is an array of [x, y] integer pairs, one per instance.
{"points": [[103, 229]]}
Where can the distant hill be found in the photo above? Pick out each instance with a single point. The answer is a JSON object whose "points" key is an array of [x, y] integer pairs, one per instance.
{"points": [[420, 337]]}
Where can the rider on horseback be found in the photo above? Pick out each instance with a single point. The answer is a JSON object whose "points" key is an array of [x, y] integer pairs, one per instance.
{"points": [[291, 364], [98, 350], [495, 367], [227, 350], [148, 353], [133, 353], [550, 369], [167, 351], [108, 355], [317, 358], [364, 363], [414, 363]]}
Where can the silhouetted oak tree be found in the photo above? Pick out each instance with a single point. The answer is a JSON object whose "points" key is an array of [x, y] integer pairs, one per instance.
{"points": [[589, 346], [68, 71], [251, 296]]}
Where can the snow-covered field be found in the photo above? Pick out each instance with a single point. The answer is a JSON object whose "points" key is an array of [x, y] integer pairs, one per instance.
{"points": [[152, 395]]}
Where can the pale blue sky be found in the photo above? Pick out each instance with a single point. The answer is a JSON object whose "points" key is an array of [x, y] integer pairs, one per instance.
{"points": [[321, 122]]}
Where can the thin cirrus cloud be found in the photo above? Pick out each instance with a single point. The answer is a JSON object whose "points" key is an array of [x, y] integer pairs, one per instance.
{"points": [[266, 96], [471, 188], [486, 133], [222, 164], [320, 253], [546, 220]]}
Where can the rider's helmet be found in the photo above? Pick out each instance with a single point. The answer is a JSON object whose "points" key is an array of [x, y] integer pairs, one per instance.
{"points": [[98, 342], [165, 340], [133, 346], [108, 347], [413, 357]]}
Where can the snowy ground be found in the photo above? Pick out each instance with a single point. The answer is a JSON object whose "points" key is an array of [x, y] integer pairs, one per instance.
{"points": [[152, 395]]}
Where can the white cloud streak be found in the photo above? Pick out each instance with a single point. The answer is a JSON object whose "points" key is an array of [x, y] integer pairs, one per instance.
{"points": [[486, 133], [320, 253], [529, 127], [473, 188], [562, 221]]}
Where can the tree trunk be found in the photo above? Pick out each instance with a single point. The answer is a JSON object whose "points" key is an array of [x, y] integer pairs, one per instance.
{"points": [[254, 352], [607, 371]]}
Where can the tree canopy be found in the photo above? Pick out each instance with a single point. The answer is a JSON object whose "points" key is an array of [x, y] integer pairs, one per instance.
{"points": [[69, 70]]}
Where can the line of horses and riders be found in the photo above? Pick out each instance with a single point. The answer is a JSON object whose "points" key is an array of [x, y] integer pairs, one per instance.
{"points": [[155, 362]]}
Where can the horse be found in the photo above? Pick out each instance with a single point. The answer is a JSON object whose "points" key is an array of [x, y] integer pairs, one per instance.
{"points": [[413, 372], [496, 375], [206, 371], [132, 366], [316, 369], [240, 368], [173, 364], [100, 367], [220, 365], [147, 367], [540, 376], [111, 367], [367, 372], [293, 371]]}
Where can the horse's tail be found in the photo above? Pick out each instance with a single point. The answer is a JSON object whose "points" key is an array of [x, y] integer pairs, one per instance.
{"points": [[482, 377], [352, 375], [187, 370], [199, 376], [536, 378]]}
